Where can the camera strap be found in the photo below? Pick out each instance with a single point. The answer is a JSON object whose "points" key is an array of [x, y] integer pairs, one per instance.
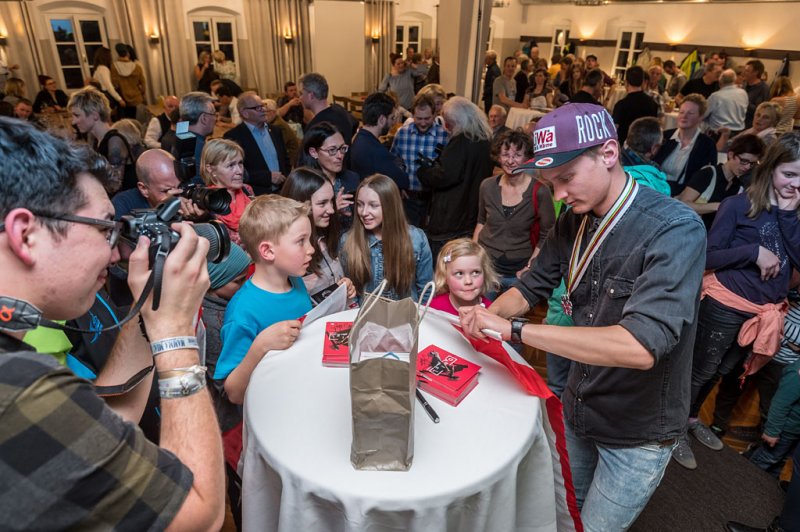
{"points": [[17, 315]]}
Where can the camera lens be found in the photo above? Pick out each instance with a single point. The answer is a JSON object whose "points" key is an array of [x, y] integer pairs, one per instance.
{"points": [[219, 238], [216, 200]]}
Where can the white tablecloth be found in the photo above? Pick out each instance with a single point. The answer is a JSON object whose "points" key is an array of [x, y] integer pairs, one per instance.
{"points": [[671, 120], [485, 466], [614, 94], [519, 117]]}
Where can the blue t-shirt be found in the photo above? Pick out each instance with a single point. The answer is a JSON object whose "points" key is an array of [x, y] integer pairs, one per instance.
{"points": [[250, 311]]}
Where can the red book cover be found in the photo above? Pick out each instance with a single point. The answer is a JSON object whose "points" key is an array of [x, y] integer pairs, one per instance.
{"points": [[336, 350], [445, 375]]}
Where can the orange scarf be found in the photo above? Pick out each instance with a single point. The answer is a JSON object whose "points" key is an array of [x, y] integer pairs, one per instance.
{"points": [[764, 330]]}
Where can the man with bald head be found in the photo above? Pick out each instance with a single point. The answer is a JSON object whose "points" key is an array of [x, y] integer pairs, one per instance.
{"points": [[161, 124], [157, 181]]}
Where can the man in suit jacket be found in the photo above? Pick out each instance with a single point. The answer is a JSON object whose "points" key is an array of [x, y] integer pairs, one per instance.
{"points": [[265, 159]]}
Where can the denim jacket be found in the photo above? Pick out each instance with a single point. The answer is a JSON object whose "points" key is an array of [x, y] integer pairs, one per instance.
{"points": [[422, 258], [645, 277]]}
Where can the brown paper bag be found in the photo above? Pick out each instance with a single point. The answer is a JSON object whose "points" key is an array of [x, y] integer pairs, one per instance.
{"points": [[382, 390]]}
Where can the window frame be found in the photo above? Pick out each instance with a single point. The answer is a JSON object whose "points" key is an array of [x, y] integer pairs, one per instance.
{"points": [[405, 43], [617, 71], [84, 62], [554, 46], [214, 41]]}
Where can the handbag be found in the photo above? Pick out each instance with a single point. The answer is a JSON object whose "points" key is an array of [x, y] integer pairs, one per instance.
{"points": [[383, 380]]}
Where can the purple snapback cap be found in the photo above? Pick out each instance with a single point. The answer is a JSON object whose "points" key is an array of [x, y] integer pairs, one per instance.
{"points": [[563, 134]]}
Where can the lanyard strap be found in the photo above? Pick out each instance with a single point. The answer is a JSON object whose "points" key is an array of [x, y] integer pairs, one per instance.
{"points": [[579, 262]]}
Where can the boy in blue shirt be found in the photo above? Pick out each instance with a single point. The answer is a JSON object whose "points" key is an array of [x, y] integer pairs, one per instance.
{"points": [[263, 315]]}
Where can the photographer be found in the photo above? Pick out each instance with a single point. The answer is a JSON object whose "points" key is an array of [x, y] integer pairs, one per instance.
{"points": [[77, 464], [156, 181], [198, 109]]}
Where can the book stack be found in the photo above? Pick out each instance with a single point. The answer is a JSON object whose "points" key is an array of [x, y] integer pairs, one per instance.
{"points": [[336, 350], [444, 375]]}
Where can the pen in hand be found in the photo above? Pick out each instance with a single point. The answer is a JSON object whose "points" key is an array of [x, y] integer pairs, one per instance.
{"points": [[428, 408]]}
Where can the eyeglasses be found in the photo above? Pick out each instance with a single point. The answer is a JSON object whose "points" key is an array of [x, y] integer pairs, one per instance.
{"points": [[259, 107], [210, 114], [332, 151], [112, 228], [747, 163]]}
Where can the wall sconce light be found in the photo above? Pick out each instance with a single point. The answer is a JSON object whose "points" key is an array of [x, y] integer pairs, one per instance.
{"points": [[3, 40], [376, 37], [154, 38], [287, 36]]}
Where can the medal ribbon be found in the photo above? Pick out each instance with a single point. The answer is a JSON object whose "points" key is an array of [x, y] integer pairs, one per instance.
{"points": [[579, 265]]}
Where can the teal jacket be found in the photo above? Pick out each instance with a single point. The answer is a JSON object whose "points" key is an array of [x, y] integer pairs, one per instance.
{"points": [[784, 412]]}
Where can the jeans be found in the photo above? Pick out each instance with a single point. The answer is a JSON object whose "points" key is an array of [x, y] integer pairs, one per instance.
{"points": [[557, 373], [772, 459], [716, 351], [766, 381], [790, 516], [506, 282], [613, 484]]}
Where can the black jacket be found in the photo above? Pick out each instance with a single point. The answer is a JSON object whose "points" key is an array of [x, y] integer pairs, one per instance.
{"points": [[456, 182], [703, 152], [258, 174]]}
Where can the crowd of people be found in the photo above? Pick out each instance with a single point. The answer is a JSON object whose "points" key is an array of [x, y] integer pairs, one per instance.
{"points": [[677, 269]]}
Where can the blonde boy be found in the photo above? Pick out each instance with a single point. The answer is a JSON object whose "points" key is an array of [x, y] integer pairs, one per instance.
{"points": [[263, 315]]}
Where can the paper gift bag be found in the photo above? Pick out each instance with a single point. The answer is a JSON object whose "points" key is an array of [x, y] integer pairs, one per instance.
{"points": [[383, 361]]}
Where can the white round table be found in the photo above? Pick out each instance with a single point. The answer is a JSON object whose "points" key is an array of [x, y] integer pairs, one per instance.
{"points": [[519, 117], [485, 466]]}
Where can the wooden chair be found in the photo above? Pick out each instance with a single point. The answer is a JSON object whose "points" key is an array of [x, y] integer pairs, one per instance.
{"points": [[341, 100]]}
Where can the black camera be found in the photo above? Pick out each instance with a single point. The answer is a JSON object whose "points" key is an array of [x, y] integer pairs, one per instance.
{"points": [[155, 225], [216, 200], [423, 161], [185, 165]]}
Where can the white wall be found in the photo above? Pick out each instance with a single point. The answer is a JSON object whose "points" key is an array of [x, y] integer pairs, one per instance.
{"points": [[712, 26], [337, 45]]}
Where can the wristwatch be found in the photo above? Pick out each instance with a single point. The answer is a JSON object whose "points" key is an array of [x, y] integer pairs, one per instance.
{"points": [[516, 329]]}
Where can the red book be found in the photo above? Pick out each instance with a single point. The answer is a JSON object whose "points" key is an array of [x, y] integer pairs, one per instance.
{"points": [[336, 350], [445, 375]]}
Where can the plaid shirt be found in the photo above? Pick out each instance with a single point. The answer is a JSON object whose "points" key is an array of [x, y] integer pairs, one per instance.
{"points": [[67, 461], [409, 142]]}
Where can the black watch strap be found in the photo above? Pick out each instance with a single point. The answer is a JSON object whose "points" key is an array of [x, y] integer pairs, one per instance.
{"points": [[516, 329]]}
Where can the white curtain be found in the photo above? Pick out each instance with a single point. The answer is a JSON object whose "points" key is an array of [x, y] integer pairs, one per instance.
{"points": [[378, 22], [271, 60]]}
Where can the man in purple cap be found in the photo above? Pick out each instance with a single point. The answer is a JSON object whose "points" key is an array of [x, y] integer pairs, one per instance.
{"points": [[632, 261]]}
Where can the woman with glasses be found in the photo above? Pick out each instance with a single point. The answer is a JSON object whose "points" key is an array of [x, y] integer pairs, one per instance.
{"points": [[50, 98], [753, 246], [324, 149], [515, 211], [713, 183]]}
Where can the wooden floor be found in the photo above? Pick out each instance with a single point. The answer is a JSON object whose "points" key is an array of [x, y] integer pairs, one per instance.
{"points": [[745, 413]]}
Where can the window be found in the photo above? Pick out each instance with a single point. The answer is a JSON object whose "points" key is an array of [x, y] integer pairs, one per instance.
{"points": [[408, 34], [76, 38], [215, 33], [629, 46], [560, 40]]}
